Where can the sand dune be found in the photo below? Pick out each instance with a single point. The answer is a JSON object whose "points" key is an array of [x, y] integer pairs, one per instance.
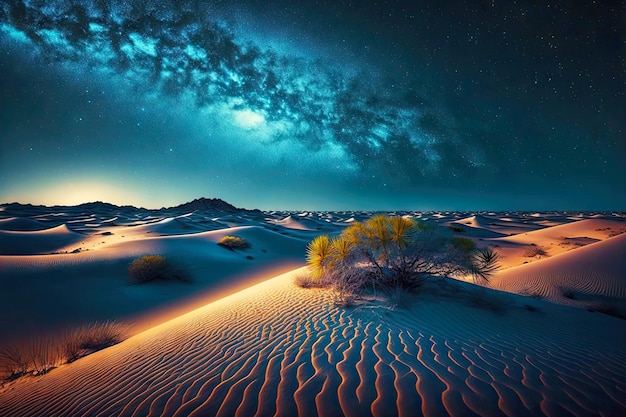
{"points": [[500, 225], [100, 276], [19, 224], [37, 242], [239, 340], [171, 226], [298, 224], [487, 227], [275, 349], [525, 246], [598, 269], [596, 229], [475, 231]]}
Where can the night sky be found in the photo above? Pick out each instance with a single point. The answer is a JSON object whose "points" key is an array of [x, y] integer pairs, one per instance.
{"points": [[373, 105]]}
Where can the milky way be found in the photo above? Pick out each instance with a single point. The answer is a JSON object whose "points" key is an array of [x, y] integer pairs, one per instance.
{"points": [[204, 96]]}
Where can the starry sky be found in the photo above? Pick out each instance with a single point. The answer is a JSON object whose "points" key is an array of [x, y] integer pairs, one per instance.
{"points": [[319, 105]]}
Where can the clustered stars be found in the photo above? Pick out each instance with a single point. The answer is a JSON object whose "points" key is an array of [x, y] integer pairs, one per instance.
{"points": [[542, 36], [181, 53], [403, 93]]}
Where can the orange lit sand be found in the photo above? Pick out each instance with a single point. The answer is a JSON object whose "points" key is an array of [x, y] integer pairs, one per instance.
{"points": [[276, 349]]}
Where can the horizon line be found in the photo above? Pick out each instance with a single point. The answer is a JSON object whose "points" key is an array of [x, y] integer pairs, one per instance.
{"points": [[2, 204]]}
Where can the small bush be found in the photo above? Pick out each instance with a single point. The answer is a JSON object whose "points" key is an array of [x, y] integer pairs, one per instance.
{"points": [[13, 362], [36, 356], [91, 338], [154, 268], [234, 242], [41, 354], [534, 250], [44, 354], [306, 280], [394, 252]]}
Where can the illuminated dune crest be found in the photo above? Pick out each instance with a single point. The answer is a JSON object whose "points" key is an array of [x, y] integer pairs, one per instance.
{"points": [[598, 269]]}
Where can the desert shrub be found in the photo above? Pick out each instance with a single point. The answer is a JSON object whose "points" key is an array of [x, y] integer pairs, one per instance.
{"points": [[307, 280], [44, 354], [38, 355], [456, 229], [318, 254], [234, 242], [13, 362], [390, 252], [331, 262], [534, 250], [154, 268], [85, 340]]}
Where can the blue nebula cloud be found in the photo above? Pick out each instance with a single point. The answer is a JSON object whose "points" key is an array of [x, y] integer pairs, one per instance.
{"points": [[370, 107], [166, 48]]}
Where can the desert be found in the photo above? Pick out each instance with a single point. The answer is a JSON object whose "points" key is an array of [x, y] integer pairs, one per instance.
{"points": [[237, 336], [312, 208]]}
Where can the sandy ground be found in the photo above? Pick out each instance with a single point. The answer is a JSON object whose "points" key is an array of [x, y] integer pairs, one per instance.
{"points": [[242, 339]]}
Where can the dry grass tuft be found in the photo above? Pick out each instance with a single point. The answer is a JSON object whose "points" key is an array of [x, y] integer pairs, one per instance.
{"points": [[44, 354], [41, 354], [534, 250], [307, 280], [85, 340], [234, 242], [36, 356], [13, 362], [154, 268]]}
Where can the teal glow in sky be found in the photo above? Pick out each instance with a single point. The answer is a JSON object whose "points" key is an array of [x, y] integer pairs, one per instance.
{"points": [[451, 106]]}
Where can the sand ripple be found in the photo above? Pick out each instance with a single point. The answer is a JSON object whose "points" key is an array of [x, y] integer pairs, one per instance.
{"points": [[277, 350], [580, 276]]}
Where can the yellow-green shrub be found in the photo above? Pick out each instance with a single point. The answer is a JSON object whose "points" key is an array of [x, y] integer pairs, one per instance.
{"points": [[234, 242]]}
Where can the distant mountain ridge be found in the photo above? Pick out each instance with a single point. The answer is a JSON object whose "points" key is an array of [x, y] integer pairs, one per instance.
{"points": [[205, 204], [199, 204]]}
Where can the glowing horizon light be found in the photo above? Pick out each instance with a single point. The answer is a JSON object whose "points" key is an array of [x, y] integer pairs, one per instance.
{"points": [[73, 192], [248, 119]]}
